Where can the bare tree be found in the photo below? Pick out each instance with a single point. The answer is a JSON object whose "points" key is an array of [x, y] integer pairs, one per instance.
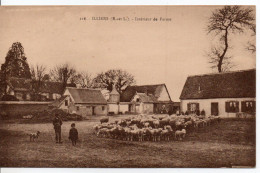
{"points": [[120, 78], [84, 79], [251, 44], [214, 55], [38, 74], [223, 22], [63, 73]]}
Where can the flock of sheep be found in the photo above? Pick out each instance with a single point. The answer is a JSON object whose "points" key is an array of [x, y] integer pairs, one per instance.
{"points": [[152, 127]]}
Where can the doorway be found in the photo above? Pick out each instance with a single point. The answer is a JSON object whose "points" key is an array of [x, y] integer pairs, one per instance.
{"points": [[214, 109], [93, 110]]}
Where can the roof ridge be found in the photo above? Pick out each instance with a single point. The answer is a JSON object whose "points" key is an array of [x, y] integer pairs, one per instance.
{"points": [[83, 88], [221, 73], [150, 84]]}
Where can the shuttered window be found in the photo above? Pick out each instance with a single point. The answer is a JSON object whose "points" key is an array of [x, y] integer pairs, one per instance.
{"points": [[193, 107], [232, 106], [248, 106]]}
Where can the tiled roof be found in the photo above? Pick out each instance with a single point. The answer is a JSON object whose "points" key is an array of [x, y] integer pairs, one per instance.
{"points": [[81, 95], [146, 98], [239, 84], [130, 91], [52, 87], [21, 84]]}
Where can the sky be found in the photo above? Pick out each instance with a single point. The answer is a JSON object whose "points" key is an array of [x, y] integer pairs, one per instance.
{"points": [[153, 51]]}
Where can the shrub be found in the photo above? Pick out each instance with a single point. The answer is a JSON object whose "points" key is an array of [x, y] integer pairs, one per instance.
{"points": [[4, 115], [49, 114], [74, 117], [9, 98]]}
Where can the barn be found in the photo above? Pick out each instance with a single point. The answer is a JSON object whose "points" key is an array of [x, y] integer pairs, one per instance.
{"points": [[82, 101], [223, 94]]}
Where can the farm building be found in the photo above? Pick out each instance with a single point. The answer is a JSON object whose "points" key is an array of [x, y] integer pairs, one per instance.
{"points": [[82, 101], [141, 99], [223, 94], [114, 104], [22, 89]]}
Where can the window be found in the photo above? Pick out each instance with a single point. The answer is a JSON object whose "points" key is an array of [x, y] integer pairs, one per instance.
{"points": [[77, 108], [193, 107], [137, 100], [232, 106], [66, 103], [103, 108], [248, 106]]}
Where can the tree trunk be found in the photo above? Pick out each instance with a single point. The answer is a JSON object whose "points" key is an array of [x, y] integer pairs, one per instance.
{"points": [[221, 58]]}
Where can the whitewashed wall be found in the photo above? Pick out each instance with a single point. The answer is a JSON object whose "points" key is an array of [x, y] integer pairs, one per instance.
{"points": [[123, 108], [206, 105], [113, 107]]}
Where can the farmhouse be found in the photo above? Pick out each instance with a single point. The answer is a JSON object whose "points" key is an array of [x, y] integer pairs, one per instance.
{"points": [[223, 94], [82, 101], [22, 89], [141, 99]]}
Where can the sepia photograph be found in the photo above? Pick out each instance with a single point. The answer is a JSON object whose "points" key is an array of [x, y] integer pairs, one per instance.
{"points": [[128, 86]]}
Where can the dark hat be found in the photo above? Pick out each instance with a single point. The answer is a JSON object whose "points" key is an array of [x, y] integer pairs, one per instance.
{"points": [[73, 125]]}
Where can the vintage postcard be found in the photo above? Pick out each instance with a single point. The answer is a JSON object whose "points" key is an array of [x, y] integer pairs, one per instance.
{"points": [[128, 86]]}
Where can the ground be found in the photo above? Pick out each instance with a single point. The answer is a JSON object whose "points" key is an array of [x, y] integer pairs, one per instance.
{"points": [[229, 143]]}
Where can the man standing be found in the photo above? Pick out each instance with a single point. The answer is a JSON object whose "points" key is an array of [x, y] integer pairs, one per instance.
{"points": [[57, 127]]}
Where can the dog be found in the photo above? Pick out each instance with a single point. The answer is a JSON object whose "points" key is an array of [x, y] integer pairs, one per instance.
{"points": [[34, 136]]}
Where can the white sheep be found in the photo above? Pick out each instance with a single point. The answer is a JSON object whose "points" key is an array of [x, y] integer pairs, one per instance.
{"points": [[180, 134]]}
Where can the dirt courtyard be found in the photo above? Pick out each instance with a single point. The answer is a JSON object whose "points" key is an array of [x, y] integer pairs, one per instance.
{"points": [[227, 144]]}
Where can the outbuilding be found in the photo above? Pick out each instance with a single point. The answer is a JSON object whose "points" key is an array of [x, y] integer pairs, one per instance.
{"points": [[82, 101]]}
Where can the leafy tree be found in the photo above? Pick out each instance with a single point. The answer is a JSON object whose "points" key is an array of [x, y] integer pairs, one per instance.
{"points": [[63, 73], [120, 78], [16, 62], [15, 65], [223, 22]]}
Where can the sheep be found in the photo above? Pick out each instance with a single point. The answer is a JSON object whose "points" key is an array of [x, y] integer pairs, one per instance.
{"points": [[152, 128], [104, 120], [146, 124], [156, 123], [155, 134], [180, 134], [164, 122], [179, 125], [102, 132], [128, 123]]}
